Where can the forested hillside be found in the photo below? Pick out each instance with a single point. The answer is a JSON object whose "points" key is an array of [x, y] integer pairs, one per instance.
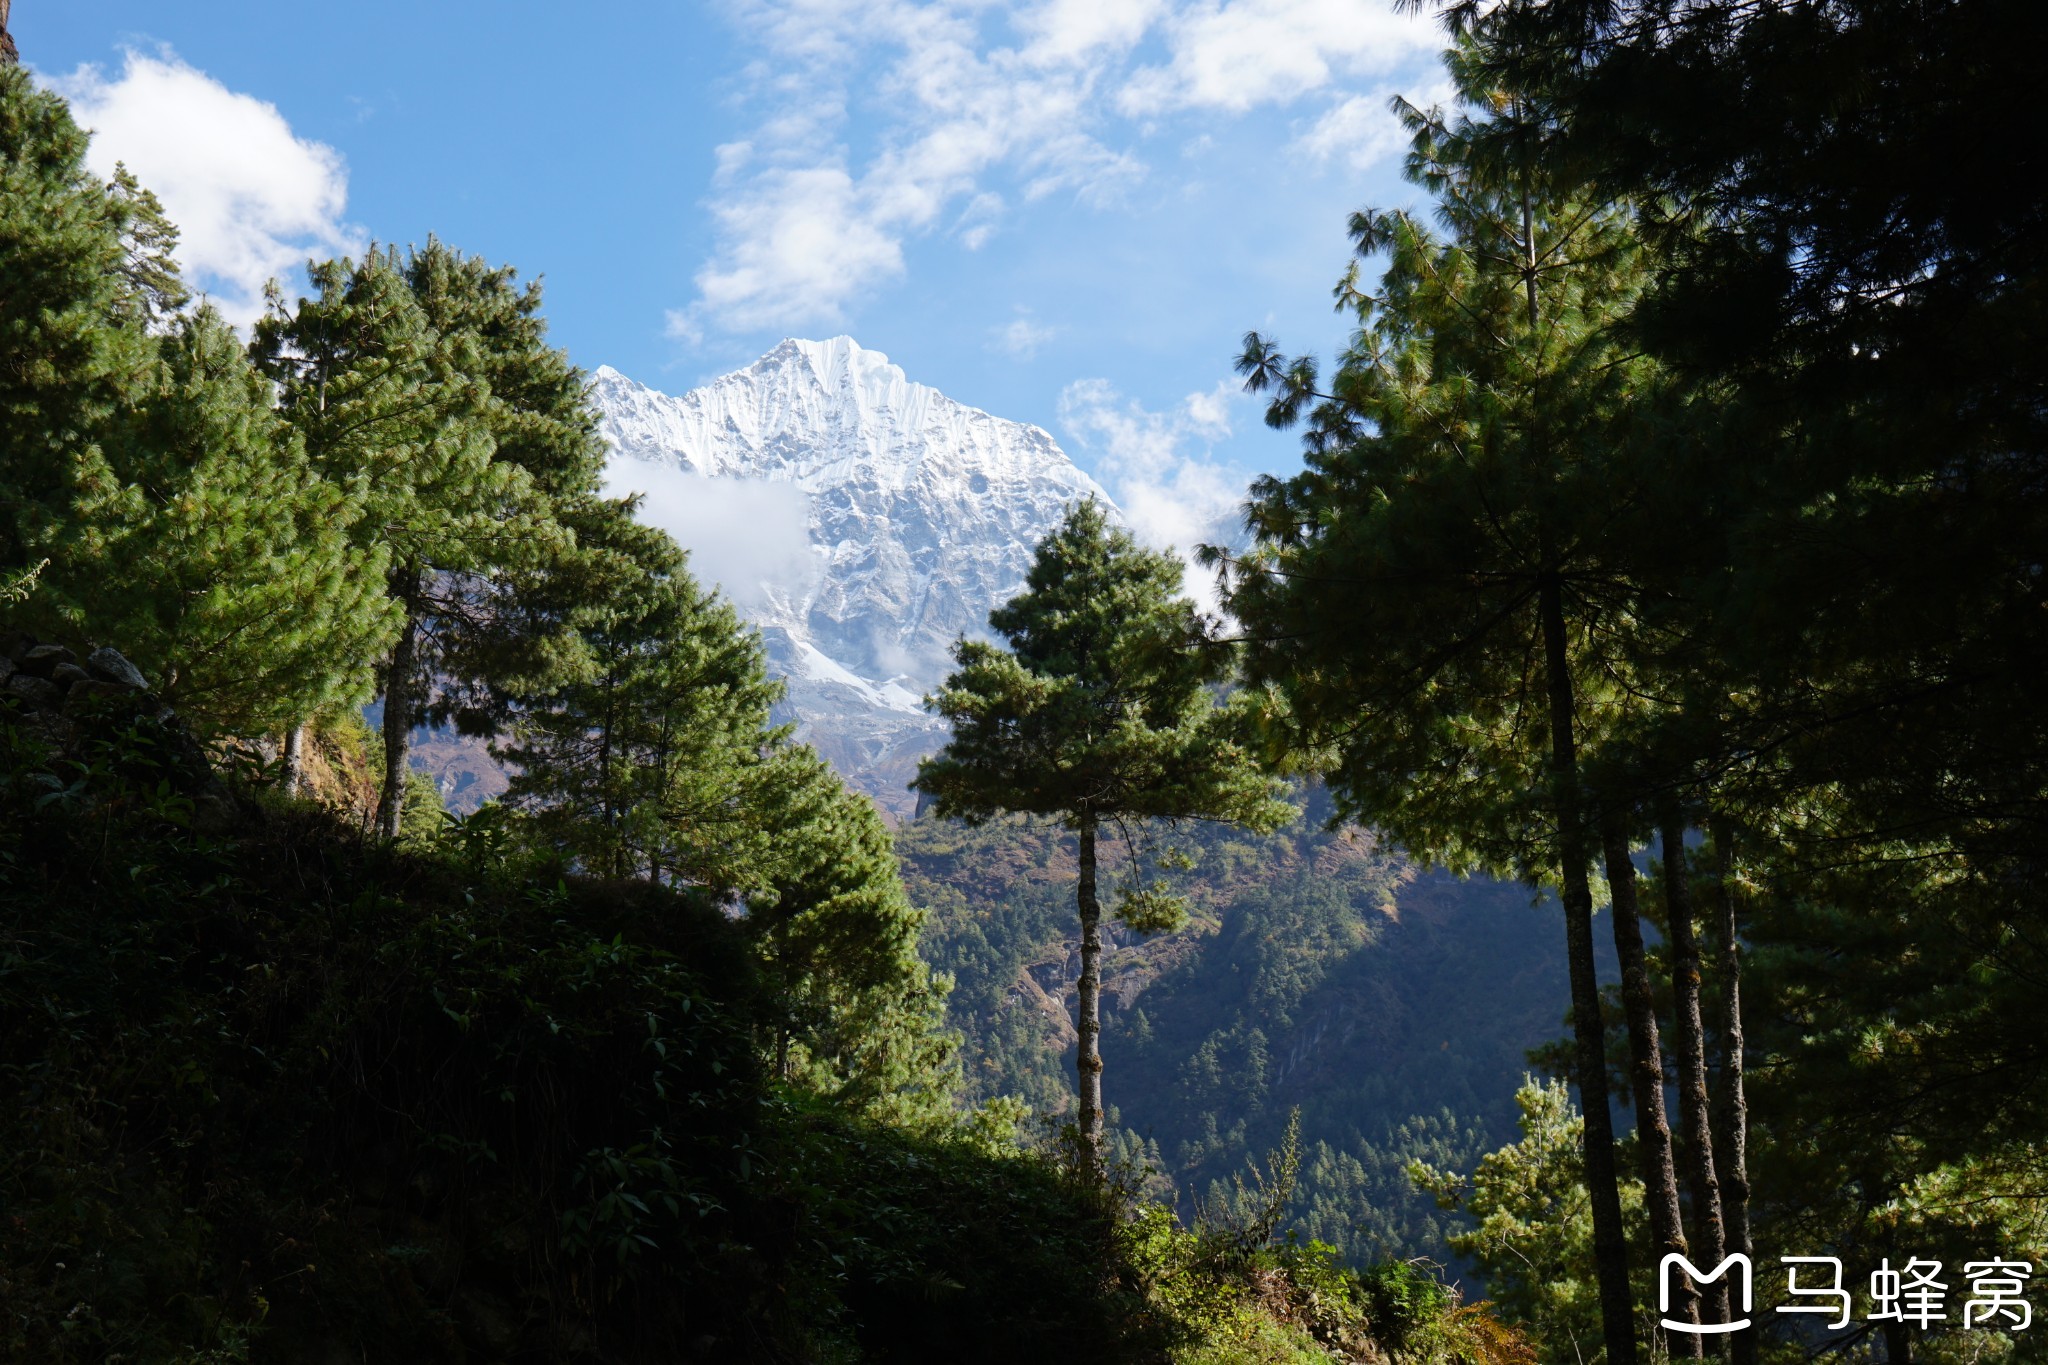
{"points": [[1319, 971]]}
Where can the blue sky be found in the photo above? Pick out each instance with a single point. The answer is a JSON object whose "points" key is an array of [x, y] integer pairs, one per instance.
{"points": [[1066, 213]]}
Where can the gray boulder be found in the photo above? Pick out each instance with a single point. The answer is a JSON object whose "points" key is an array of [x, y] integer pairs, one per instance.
{"points": [[110, 665], [42, 660], [40, 693]]}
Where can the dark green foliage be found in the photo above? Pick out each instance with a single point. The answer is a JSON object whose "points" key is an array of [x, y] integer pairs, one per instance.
{"points": [[67, 356], [402, 415], [1451, 598], [837, 938], [663, 763], [142, 461], [515, 632], [215, 553], [642, 766], [280, 1092], [1098, 709], [1464, 455], [1849, 291]]}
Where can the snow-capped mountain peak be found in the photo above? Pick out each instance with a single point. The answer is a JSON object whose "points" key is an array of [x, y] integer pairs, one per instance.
{"points": [[920, 514]]}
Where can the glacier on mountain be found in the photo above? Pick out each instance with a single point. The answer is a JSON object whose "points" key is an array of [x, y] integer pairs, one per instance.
{"points": [[921, 515]]}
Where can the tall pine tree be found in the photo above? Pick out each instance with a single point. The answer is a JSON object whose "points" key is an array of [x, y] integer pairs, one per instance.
{"points": [[1448, 597], [1099, 712], [398, 414]]}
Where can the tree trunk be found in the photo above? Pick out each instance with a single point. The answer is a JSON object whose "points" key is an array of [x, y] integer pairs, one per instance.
{"points": [[1610, 1246], [1088, 1024], [292, 761], [1694, 1119], [1646, 1077], [1731, 1142], [398, 709], [615, 844]]}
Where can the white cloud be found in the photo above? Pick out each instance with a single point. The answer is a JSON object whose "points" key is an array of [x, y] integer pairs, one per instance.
{"points": [[252, 200], [970, 94], [1234, 54], [749, 536], [1159, 469], [1020, 338], [977, 222], [800, 244], [1363, 130], [802, 236], [1064, 31]]}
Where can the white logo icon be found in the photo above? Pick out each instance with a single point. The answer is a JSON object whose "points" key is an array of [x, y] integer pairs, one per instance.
{"points": [[1698, 1276]]}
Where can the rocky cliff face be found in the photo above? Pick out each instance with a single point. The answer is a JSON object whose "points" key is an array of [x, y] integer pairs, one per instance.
{"points": [[920, 515]]}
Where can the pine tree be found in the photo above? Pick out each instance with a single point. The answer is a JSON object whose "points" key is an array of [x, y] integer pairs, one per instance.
{"points": [[150, 245], [69, 361], [216, 558], [1098, 711], [643, 766], [663, 762], [396, 413], [513, 632], [1448, 598], [837, 935], [1849, 271], [141, 464]]}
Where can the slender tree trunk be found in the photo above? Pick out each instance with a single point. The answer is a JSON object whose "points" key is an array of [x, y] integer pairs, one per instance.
{"points": [[8, 56], [1694, 1114], [1731, 1108], [398, 713], [1646, 1077], [1898, 1343], [1610, 1245], [615, 851], [1088, 1001], [293, 761]]}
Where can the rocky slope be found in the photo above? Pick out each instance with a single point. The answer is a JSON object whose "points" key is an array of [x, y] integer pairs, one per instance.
{"points": [[919, 514]]}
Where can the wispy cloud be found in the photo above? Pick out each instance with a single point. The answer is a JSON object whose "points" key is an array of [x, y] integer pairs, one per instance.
{"points": [[985, 109], [1362, 130], [252, 200], [800, 243], [1020, 337], [1235, 54], [1159, 466]]}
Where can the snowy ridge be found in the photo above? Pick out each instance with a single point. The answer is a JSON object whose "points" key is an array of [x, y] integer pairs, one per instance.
{"points": [[922, 516]]}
